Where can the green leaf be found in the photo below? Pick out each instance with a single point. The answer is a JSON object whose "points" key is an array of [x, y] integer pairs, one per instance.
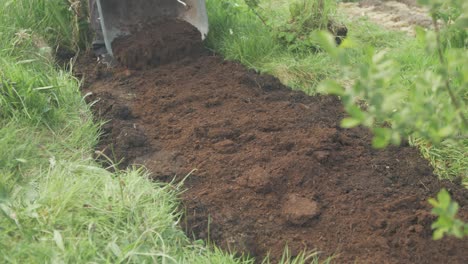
{"points": [[115, 249], [348, 43], [420, 33], [396, 138], [379, 142], [350, 122], [382, 137], [356, 112], [331, 87], [290, 37], [433, 202], [446, 131], [452, 209], [326, 41], [438, 234], [446, 210], [59, 240], [444, 198]]}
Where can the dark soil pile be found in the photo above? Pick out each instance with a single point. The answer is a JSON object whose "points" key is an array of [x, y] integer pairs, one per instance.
{"points": [[157, 43], [273, 167]]}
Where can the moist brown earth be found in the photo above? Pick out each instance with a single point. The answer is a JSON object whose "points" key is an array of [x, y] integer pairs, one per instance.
{"points": [[271, 167], [155, 46]]}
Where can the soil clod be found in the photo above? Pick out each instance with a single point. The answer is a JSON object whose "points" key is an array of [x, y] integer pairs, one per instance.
{"points": [[299, 210]]}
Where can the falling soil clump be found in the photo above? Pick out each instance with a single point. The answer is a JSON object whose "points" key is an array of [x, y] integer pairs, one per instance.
{"points": [[273, 167], [157, 43]]}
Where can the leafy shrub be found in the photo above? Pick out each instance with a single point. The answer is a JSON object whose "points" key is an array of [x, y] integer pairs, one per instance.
{"points": [[306, 17], [447, 223], [432, 109]]}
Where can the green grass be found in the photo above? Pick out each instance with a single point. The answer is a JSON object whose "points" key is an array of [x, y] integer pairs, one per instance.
{"points": [[39, 21], [56, 203], [450, 160], [238, 34], [77, 212]]}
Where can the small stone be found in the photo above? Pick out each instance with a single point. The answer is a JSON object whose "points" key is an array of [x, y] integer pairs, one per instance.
{"points": [[299, 210]]}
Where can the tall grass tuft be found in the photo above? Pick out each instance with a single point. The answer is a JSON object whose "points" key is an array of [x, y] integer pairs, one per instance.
{"points": [[238, 34]]}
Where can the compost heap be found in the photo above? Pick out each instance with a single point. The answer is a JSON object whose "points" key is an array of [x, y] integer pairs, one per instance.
{"points": [[270, 166]]}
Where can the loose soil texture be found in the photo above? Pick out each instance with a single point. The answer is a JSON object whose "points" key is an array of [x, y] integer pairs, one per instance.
{"points": [[155, 45], [273, 167]]}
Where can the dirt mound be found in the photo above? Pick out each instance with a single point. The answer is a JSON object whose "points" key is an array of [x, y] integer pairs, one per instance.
{"points": [[273, 167], [157, 43]]}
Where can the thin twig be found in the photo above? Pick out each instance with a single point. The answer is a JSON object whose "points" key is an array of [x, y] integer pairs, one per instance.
{"points": [[260, 17], [447, 82]]}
